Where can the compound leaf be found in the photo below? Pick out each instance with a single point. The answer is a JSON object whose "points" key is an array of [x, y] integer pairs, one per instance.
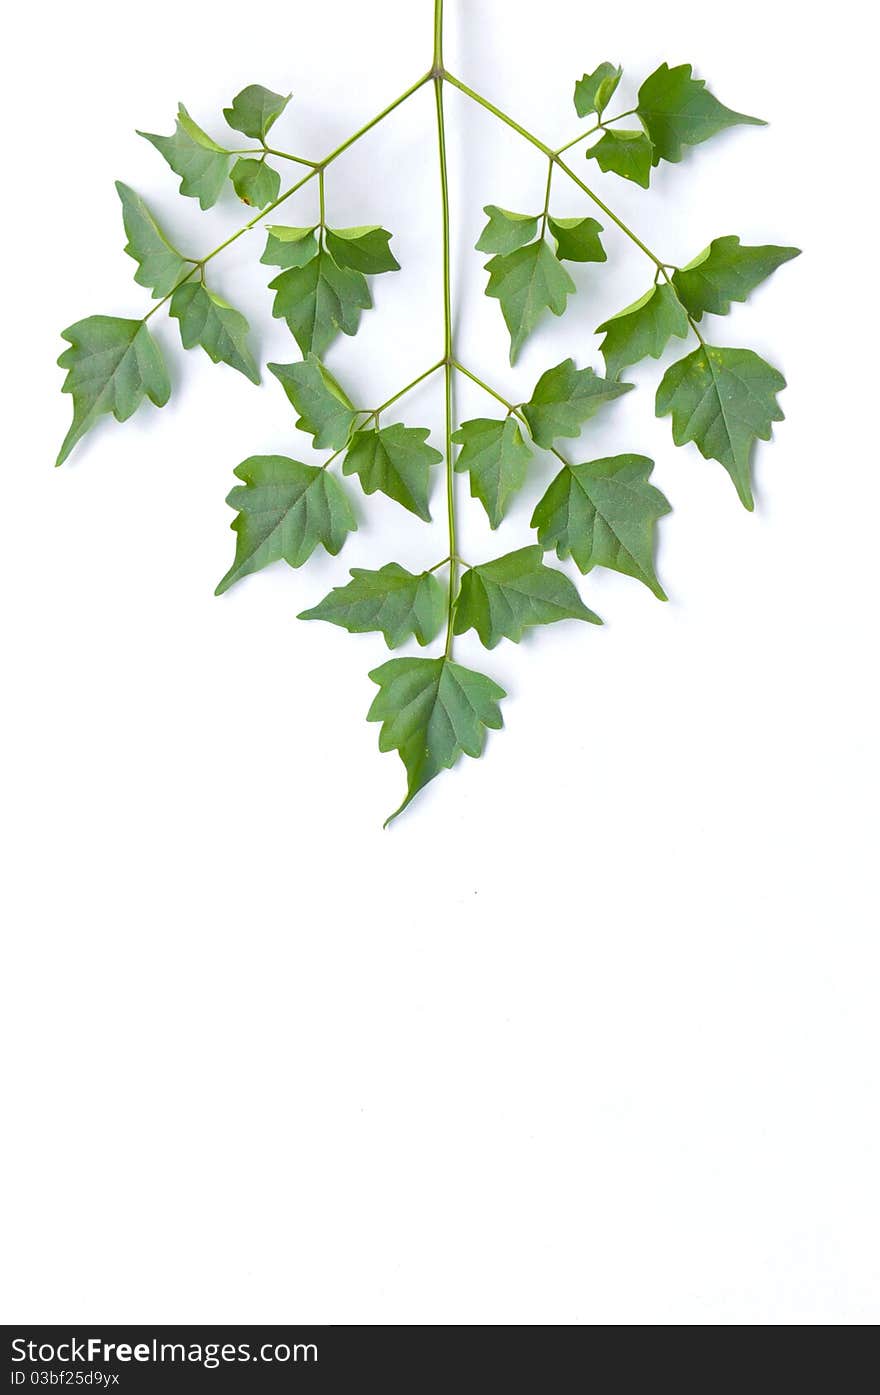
{"points": [[643, 329], [396, 460], [726, 271], [222, 331], [391, 600], [503, 598], [201, 163], [496, 456], [527, 282], [287, 247], [325, 411], [285, 509], [627, 153], [564, 398], [112, 365], [432, 711], [594, 90], [506, 231], [677, 109], [577, 239], [255, 182], [603, 514], [319, 300], [255, 110], [723, 400], [362, 249], [160, 265]]}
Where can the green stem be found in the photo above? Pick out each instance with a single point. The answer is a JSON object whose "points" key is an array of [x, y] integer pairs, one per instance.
{"points": [[380, 116], [409, 387], [547, 197], [485, 386], [264, 150], [297, 159], [437, 61], [447, 328], [321, 197], [600, 125], [502, 116]]}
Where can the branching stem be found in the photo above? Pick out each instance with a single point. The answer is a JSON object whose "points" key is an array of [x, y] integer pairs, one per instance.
{"points": [[317, 167], [409, 387], [554, 158]]}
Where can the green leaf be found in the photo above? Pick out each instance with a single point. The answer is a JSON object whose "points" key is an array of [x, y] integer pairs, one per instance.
{"points": [[160, 265], [362, 249], [503, 598], [431, 711], [326, 412], [643, 329], [564, 398], [207, 320], [496, 456], [285, 509], [392, 600], [527, 282], [506, 231], [319, 300], [726, 271], [627, 153], [255, 110], [723, 400], [201, 163], [287, 247], [395, 460], [603, 514], [594, 90], [577, 239], [112, 365], [255, 182], [677, 109]]}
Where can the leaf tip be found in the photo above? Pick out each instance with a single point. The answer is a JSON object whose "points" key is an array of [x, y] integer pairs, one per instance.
{"points": [[67, 446]]}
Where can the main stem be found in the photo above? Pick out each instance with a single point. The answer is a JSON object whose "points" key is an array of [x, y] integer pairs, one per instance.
{"points": [[447, 318]]}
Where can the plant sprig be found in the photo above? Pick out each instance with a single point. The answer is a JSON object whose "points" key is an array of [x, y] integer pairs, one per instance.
{"points": [[600, 512]]}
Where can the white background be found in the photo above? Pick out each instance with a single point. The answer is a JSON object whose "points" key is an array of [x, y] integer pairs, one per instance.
{"points": [[590, 1035]]}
